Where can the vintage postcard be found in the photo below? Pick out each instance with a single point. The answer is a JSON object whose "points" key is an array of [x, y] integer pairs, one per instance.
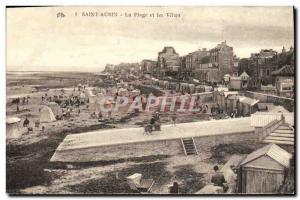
{"points": [[157, 100]]}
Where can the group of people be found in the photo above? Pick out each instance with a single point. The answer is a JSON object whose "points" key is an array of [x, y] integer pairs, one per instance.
{"points": [[154, 124], [220, 183], [18, 101]]}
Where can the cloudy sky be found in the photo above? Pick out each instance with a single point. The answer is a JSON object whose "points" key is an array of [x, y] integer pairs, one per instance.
{"points": [[38, 40]]}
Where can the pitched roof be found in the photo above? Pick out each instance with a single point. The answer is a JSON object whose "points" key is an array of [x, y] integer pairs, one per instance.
{"points": [[273, 151], [226, 93], [286, 70], [244, 74], [249, 101], [242, 99], [278, 109], [12, 120]]}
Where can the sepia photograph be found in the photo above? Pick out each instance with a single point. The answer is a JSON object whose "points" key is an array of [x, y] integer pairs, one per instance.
{"points": [[150, 100]]}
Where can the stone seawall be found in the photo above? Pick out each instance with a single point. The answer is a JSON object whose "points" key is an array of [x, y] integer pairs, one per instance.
{"points": [[287, 103], [140, 149]]}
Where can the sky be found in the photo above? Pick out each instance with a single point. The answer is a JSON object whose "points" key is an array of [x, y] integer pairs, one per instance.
{"points": [[37, 40]]}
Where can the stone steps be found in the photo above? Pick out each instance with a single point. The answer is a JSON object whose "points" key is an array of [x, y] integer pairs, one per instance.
{"points": [[282, 135], [278, 142], [280, 138], [189, 146], [283, 128], [283, 131]]}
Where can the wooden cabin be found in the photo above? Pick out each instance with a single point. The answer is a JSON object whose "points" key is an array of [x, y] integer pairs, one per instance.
{"points": [[263, 171]]}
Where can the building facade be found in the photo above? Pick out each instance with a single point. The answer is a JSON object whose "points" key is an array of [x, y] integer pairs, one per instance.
{"points": [[222, 57], [192, 63], [284, 81], [148, 66], [168, 62], [263, 64]]}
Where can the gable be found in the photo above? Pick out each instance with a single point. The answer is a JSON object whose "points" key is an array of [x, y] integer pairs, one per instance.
{"points": [[265, 162]]}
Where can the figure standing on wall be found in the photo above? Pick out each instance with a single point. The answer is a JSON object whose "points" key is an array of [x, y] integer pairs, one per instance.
{"points": [[174, 117]]}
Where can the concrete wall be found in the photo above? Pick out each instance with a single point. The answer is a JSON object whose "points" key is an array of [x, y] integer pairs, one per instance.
{"points": [[114, 152], [205, 143], [287, 103], [148, 89], [162, 147], [205, 96]]}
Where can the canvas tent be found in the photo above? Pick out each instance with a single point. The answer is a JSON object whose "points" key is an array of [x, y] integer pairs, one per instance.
{"points": [[46, 114], [89, 93], [13, 127], [54, 107]]}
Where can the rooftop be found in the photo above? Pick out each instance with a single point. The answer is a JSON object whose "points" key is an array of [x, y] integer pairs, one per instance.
{"points": [[12, 120], [248, 101], [272, 150], [286, 70]]}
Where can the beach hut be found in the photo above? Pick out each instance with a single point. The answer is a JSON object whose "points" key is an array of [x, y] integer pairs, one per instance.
{"points": [[13, 127], [184, 87], [161, 83], [134, 93], [220, 88], [90, 95], [192, 88], [244, 76], [226, 78], [235, 83], [82, 97], [166, 84], [173, 85], [199, 88], [92, 99], [123, 92], [247, 105], [46, 114], [262, 107], [263, 171]]}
